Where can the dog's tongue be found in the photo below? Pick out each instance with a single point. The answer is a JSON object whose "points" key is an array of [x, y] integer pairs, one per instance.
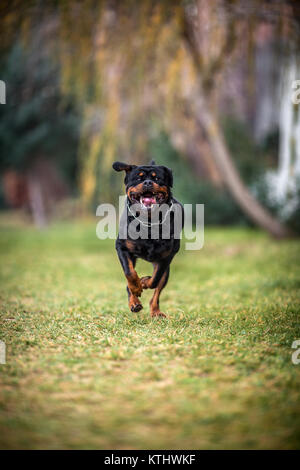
{"points": [[148, 200]]}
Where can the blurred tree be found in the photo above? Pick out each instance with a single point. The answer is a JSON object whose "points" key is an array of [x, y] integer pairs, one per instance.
{"points": [[209, 53], [138, 69], [38, 131]]}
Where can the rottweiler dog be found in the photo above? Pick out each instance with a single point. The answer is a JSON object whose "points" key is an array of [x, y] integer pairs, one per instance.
{"points": [[148, 188]]}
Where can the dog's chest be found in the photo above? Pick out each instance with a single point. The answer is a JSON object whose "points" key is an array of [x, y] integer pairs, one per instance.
{"points": [[153, 250]]}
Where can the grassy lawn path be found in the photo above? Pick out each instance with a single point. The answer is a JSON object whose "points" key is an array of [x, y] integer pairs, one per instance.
{"points": [[84, 372]]}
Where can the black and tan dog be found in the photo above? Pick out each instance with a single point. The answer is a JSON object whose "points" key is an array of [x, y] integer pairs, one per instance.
{"points": [[149, 186]]}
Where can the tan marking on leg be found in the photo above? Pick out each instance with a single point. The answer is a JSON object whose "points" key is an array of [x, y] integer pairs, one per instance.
{"points": [[147, 280], [154, 302], [133, 280], [134, 303]]}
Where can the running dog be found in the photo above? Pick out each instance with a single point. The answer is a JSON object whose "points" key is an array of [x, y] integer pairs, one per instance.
{"points": [[148, 187]]}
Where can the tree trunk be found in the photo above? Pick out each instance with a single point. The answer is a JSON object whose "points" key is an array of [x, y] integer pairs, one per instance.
{"points": [[192, 144], [36, 200], [239, 191], [209, 68]]}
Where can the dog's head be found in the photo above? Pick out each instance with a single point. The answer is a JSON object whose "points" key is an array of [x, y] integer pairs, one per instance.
{"points": [[147, 184]]}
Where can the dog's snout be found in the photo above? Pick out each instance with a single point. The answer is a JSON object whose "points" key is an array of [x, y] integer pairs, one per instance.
{"points": [[148, 184]]}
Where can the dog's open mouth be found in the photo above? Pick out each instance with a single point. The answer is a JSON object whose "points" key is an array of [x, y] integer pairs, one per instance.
{"points": [[148, 199]]}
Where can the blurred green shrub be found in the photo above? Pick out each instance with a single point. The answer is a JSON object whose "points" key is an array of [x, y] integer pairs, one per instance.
{"points": [[250, 158], [36, 120]]}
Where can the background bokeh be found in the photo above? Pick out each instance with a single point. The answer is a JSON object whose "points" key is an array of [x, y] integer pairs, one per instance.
{"points": [[90, 82], [204, 87]]}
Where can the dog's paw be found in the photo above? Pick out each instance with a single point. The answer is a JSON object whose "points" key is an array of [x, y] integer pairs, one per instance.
{"points": [[145, 281], [135, 306], [158, 313]]}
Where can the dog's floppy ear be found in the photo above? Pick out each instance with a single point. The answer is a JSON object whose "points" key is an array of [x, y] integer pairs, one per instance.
{"points": [[119, 166], [169, 175]]}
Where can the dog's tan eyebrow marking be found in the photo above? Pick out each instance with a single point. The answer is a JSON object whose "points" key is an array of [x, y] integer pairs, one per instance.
{"points": [[141, 174], [153, 174]]}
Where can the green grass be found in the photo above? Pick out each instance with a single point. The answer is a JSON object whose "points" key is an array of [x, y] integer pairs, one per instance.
{"points": [[84, 372]]}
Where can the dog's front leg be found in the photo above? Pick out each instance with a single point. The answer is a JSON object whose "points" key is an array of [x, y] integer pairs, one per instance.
{"points": [[134, 286]]}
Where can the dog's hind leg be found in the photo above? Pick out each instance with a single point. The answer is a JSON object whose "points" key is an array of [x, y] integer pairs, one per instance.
{"points": [[154, 302]]}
